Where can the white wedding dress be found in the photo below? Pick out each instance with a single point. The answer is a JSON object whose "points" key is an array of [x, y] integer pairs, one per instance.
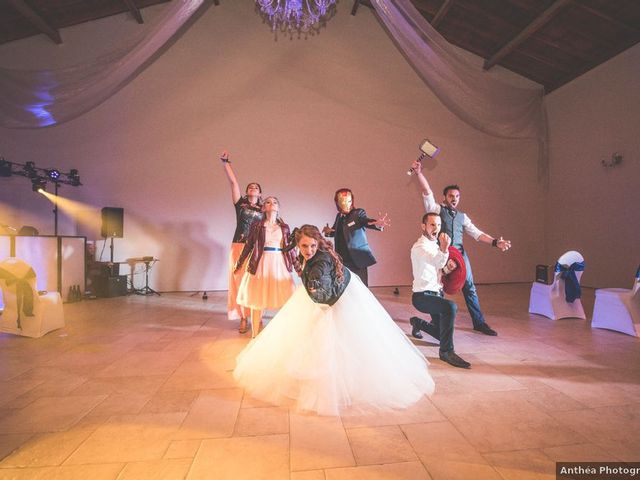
{"points": [[322, 359]]}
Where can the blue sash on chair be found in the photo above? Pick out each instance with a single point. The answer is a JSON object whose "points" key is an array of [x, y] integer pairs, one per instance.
{"points": [[571, 284], [24, 293]]}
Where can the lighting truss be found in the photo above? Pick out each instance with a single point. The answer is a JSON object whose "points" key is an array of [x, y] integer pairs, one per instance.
{"points": [[39, 176]]}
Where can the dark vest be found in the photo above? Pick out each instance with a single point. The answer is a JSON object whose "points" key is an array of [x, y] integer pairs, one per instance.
{"points": [[453, 225]]}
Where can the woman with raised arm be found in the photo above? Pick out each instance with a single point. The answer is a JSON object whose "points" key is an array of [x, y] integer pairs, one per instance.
{"points": [[248, 210], [267, 282], [332, 345]]}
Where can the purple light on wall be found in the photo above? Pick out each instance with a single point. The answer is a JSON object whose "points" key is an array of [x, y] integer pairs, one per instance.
{"points": [[45, 118]]}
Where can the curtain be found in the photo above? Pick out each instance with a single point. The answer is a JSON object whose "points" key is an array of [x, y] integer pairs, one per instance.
{"points": [[491, 106], [41, 98]]}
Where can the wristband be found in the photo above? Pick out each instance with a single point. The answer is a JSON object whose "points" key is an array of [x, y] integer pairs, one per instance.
{"points": [[494, 242]]}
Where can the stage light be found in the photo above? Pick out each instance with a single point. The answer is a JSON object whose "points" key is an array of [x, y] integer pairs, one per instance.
{"points": [[38, 184], [30, 170], [74, 178], [53, 174], [5, 168]]}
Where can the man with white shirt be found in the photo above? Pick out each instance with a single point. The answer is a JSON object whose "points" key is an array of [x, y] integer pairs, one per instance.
{"points": [[456, 223], [428, 258]]}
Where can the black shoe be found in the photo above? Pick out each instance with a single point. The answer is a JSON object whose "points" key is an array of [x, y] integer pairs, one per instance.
{"points": [[415, 327], [453, 359], [486, 329]]}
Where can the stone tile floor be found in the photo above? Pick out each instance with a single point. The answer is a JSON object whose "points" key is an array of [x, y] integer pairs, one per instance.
{"points": [[141, 388]]}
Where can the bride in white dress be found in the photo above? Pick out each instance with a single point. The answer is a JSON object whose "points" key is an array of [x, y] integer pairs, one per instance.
{"points": [[332, 345]]}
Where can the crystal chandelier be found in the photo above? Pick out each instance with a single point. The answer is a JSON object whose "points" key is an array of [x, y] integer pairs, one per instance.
{"points": [[301, 15]]}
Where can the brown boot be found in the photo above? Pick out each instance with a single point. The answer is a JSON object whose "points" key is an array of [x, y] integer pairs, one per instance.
{"points": [[243, 326]]}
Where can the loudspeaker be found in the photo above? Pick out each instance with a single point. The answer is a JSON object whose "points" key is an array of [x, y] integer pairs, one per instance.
{"points": [[28, 230], [108, 269], [542, 274], [112, 222], [106, 287]]}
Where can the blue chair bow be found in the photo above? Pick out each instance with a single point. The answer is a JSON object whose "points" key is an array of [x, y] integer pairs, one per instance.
{"points": [[571, 284]]}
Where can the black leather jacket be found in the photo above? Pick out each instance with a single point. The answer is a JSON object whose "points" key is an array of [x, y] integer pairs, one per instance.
{"points": [[319, 279], [254, 247], [246, 214]]}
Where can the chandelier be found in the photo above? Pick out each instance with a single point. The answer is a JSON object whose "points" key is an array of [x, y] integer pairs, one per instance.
{"points": [[301, 15]]}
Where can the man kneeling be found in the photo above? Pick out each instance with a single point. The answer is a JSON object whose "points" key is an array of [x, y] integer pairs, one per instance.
{"points": [[429, 255]]}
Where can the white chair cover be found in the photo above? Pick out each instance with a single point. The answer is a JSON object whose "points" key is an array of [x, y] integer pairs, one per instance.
{"points": [[47, 313], [550, 300], [618, 309]]}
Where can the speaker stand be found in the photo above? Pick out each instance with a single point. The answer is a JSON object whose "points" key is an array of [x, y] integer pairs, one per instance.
{"points": [[204, 294], [147, 290]]}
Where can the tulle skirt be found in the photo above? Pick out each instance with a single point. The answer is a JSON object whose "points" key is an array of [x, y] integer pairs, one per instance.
{"points": [[235, 311], [322, 359], [270, 287]]}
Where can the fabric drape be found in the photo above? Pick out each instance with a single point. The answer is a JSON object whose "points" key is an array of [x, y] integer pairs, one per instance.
{"points": [[489, 105], [40, 98]]}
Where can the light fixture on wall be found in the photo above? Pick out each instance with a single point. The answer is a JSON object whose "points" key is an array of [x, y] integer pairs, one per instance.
{"points": [[39, 178], [616, 159], [32, 172], [39, 184], [29, 170], [53, 174], [296, 15], [5, 168]]}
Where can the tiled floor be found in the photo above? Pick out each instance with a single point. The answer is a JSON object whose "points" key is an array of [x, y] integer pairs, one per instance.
{"points": [[141, 388]]}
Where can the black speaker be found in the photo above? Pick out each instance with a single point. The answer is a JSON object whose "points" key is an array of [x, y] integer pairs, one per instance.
{"points": [[112, 222], [107, 287], [28, 230], [108, 269], [542, 274]]}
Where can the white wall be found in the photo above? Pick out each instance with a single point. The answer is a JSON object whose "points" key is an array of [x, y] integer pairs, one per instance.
{"points": [[591, 208], [303, 117]]}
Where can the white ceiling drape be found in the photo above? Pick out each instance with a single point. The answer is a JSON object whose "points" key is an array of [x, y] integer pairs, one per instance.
{"points": [[40, 98], [489, 105]]}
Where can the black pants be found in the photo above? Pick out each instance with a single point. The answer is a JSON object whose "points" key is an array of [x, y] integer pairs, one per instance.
{"points": [[361, 272], [443, 315]]}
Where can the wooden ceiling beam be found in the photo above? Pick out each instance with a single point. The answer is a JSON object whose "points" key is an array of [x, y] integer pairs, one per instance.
{"points": [[558, 66], [440, 14], [424, 7], [529, 30], [559, 46], [356, 3], [608, 18], [135, 11], [36, 20], [594, 62]]}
